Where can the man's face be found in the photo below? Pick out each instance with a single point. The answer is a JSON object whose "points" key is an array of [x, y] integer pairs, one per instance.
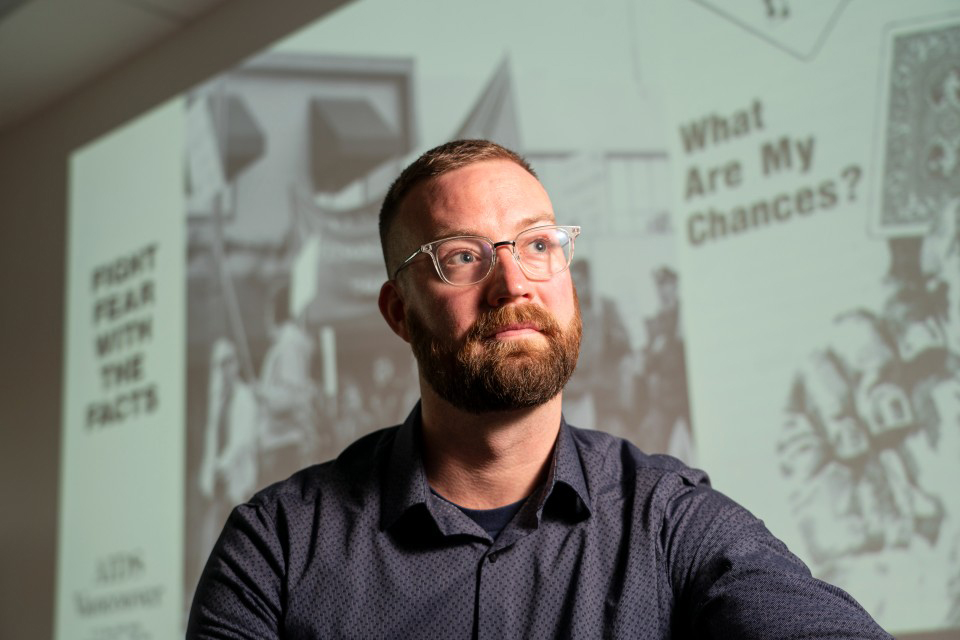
{"points": [[507, 342], [230, 369], [667, 291]]}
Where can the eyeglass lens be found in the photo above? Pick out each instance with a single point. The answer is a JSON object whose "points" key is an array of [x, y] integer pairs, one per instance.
{"points": [[542, 253]]}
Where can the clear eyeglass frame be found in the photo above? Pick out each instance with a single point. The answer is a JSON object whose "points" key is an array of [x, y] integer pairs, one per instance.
{"points": [[431, 248]]}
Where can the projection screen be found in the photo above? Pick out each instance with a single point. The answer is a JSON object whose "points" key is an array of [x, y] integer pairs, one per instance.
{"points": [[769, 274]]}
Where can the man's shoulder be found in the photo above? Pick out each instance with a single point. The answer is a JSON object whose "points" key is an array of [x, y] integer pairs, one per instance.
{"points": [[611, 459], [353, 475]]}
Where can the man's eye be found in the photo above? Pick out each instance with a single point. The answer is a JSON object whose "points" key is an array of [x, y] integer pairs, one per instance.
{"points": [[460, 258], [539, 245]]}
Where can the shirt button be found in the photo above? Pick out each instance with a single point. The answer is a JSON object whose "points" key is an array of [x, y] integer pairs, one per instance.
{"points": [[493, 558]]}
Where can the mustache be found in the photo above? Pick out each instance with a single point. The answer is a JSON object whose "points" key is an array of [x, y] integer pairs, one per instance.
{"points": [[493, 320]]}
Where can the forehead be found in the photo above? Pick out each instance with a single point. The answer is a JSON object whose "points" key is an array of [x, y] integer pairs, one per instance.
{"points": [[490, 198]]}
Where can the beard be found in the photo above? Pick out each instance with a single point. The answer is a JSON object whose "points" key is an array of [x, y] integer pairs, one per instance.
{"points": [[483, 375]]}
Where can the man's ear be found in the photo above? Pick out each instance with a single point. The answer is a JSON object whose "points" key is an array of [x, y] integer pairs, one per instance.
{"points": [[392, 309]]}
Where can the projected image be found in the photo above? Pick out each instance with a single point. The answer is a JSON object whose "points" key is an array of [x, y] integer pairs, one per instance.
{"points": [[872, 433], [798, 28], [921, 149], [662, 379], [289, 361], [639, 394], [768, 274]]}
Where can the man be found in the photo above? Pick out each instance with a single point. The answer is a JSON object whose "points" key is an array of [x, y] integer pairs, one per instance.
{"points": [[289, 395], [596, 395], [663, 375], [484, 515], [228, 470]]}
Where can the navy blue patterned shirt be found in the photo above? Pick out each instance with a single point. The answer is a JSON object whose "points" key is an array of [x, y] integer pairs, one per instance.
{"points": [[614, 544]]}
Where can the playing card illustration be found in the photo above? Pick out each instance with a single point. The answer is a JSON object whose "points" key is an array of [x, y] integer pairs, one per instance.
{"points": [[920, 136]]}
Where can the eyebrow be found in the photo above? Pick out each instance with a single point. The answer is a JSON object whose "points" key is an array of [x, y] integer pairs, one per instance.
{"points": [[528, 222]]}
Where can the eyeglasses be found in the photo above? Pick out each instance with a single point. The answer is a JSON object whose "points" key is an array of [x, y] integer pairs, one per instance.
{"points": [[541, 252]]}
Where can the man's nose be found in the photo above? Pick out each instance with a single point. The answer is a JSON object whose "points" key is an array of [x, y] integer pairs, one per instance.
{"points": [[508, 281]]}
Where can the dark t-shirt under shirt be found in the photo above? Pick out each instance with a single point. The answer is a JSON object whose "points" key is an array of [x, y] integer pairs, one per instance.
{"points": [[492, 520]]}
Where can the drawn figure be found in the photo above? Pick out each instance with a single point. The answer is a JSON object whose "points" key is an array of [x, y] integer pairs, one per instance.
{"points": [[228, 469]]}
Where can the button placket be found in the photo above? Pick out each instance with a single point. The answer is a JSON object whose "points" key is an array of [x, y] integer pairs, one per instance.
{"points": [[490, 593]]}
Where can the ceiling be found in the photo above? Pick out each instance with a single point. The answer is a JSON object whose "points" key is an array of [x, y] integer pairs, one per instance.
{"points": [[50, 48]]}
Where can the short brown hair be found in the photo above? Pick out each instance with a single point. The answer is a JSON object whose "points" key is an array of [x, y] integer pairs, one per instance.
{"points": [[434, 163]]}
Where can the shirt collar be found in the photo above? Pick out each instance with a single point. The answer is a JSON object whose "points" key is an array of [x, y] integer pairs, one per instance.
{"points": [[406, 488], [405, 481], [565, 483]]}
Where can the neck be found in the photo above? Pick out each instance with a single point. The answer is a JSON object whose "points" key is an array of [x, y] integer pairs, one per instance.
{"points": [[488, 460]]}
